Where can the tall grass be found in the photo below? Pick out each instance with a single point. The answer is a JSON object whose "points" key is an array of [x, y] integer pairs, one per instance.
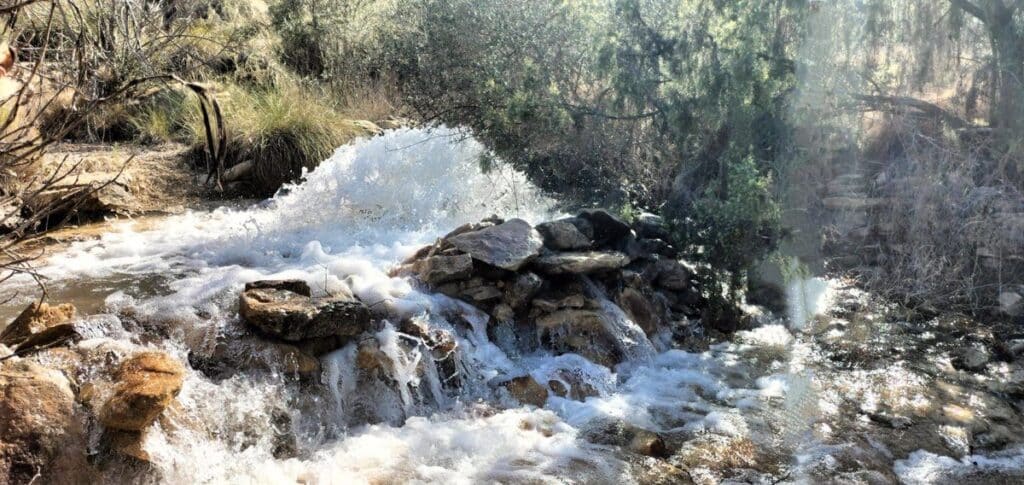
{"points": [[281, 130]]}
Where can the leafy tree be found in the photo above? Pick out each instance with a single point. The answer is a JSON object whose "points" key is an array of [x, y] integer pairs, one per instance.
{"points": [[645, 103]]}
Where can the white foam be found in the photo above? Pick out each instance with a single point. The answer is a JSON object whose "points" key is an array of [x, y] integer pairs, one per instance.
{"points": [[923, 467]]}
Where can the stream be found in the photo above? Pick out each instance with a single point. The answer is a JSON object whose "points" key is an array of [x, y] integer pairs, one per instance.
{"points": [[842, 389]]}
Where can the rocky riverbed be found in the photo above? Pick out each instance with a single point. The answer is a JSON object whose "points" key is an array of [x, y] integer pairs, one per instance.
{"points": [[378, 323]]}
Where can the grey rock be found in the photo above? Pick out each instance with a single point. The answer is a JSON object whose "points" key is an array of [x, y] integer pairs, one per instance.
{"points": [[523, 289], [509, 245], [972, 357], [672, 275], [563, 235], [650, 226], [435, 270], [607, 227]]}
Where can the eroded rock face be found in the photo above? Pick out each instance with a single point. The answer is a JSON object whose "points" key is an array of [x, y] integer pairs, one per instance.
{"points": [[147, 383], [36, 318], [37, 421], [285, 310], [508, 245]]}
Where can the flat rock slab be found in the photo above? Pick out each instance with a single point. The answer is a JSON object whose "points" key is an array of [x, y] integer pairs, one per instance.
{"points": [[281, 312], [585, 262], [509, 245]]}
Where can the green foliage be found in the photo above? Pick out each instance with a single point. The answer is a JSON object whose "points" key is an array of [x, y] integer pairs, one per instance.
{"points": [[738, 230]]}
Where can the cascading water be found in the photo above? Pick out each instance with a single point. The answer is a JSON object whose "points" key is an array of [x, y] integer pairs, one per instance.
{"points": [[419, 410]]}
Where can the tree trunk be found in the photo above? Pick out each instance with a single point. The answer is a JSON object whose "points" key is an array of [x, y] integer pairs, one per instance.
{"points": [[1008, 112]]}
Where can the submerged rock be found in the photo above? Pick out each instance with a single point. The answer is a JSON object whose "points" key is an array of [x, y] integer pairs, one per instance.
{"points": [[628, 436], [146, 384], [36, 318], [526, 390], [508, 245], [286, 311], [581, 263]]}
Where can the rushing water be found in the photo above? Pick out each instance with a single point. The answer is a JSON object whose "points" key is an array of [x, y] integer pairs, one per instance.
{"points": [[351, 220]]}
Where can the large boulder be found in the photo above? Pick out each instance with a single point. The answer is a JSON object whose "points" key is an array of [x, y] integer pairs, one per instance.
{"points": [[607, 227], [37, 421], [36, 318], [146, 383], [286, 311], [508, 245], [587, 262], [563, 235]]}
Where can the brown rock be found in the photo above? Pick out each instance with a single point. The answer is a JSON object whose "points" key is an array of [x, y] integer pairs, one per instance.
{"points": [[146, 384], [370, 357], [526, 390], [36, 318], [623, 434], [584, 332], [280, 312], [640, 310], [570, 385], [126, 443], [37, 422]]}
